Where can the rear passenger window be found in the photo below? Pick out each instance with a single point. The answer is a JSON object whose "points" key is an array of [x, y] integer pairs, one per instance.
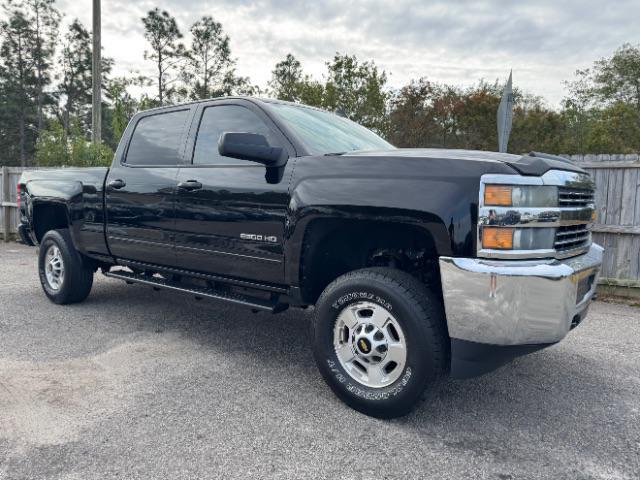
{"points": [[156, 139], [226, 118]]}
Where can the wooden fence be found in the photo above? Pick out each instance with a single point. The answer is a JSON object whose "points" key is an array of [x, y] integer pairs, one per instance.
{"points": [[617, 227], [8, 201]]}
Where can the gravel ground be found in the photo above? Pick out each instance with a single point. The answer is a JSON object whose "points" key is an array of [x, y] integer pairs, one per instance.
{"points": [[134, 383]]}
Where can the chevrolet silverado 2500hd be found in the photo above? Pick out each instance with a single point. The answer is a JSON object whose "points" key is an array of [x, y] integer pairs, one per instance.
{"points": [[420, 263]]}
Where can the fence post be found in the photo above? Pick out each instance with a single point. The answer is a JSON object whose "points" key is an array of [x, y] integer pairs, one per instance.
{"points": [[6, 198]]}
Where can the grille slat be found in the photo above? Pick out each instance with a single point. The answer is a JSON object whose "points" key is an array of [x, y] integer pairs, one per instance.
{"points": [[572, 197], [562, 233], [572, 237], [576, 240]]}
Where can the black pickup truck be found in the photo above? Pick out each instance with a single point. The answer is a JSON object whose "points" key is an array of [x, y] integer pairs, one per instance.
{"points": [[420, 263]]}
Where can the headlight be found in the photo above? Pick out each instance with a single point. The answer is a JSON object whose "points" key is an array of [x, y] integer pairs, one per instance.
{"points": [[520, 196], [503, 238]]}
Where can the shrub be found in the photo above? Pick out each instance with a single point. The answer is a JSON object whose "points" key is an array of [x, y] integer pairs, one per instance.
{"points": [[57, 148]]}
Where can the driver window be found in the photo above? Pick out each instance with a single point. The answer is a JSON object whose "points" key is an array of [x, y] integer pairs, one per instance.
{"points": [[226, 118]]}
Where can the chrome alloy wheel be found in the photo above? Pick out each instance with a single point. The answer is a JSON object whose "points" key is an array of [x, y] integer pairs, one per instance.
{"points": [[54, 268], [370, 344]]}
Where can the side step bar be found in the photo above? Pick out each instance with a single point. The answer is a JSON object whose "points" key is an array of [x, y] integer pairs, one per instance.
{"points": [[238, 299]]}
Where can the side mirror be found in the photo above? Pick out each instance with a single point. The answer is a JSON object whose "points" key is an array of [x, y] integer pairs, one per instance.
{"points": [[252, 147]]}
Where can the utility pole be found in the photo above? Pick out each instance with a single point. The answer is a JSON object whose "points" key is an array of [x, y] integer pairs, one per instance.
{"points": [[96, 77]]}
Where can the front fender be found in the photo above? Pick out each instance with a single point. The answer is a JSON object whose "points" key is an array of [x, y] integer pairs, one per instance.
{"points": [[439, 208]]}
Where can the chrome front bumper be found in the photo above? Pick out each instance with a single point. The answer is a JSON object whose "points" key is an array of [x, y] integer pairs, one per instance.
{"points": [[517, 302]]}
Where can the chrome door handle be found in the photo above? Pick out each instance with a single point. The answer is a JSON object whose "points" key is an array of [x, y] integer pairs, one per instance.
{"points": [[117, 184], [190, 185]]}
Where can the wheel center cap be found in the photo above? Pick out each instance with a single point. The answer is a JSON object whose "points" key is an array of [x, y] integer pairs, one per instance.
{"points": [[363, 345]]}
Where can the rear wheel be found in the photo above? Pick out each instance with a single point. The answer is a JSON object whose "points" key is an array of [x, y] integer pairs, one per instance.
{"points": [[380, 340], [63, 275]]}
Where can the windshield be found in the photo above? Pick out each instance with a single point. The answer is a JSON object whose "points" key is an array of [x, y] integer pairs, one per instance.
{"points": [[324, 132]]}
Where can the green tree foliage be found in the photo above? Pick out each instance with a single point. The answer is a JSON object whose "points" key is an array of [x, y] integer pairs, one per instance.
{"points": [[354, 89], [56, 147], [237, 85], [603, 104], [73, 93], [358, 90], [162, 32], [289, 82], [123, 104], [615, 128], [537, 128], [18, 80], [287, 79], [28, 34], [427, 114], [617, 79], [44, 21], [209, 65]]}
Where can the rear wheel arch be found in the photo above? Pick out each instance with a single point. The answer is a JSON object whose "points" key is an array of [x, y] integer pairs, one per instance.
{"points": [[48, 216]]}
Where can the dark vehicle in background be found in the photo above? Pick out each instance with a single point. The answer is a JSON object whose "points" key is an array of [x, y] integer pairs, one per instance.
{"points": [[420, 263]]}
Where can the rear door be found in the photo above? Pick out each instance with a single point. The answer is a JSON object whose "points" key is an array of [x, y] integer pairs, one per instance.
{"points": [[140, 188], [229, 220]]}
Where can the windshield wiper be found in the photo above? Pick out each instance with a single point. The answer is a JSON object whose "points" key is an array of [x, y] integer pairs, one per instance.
{"points": [[336, 153]]}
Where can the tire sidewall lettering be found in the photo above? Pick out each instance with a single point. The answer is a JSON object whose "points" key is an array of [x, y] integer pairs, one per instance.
{"points": [[370, 393], [353, 297]]}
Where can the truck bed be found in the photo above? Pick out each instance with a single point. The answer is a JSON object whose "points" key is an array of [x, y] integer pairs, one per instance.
{"points": [[80, 191]]}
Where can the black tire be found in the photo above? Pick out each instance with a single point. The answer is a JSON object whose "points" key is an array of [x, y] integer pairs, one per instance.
{"points": [[78, 278], [420, 315]]}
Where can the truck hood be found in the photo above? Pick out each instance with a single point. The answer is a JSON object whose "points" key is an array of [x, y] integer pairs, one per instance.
{"points": [[532, 164]]}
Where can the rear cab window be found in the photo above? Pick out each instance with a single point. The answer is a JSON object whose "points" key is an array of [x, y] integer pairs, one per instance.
{"points": [[157, 139]]}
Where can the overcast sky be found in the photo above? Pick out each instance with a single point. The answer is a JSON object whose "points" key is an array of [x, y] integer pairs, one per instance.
{"points": [[460, 42]]}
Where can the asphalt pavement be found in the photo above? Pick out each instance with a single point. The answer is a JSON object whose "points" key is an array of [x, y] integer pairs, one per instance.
{"points": [[139, 384]]}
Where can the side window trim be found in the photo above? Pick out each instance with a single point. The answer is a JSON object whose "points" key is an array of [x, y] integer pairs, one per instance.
{"points": [[182, 143]]}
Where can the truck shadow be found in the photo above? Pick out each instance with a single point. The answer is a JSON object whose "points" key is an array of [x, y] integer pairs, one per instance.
{"points": [[543, 394]]}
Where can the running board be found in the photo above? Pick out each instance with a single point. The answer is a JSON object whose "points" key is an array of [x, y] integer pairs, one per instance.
{"points": [[236, 298]]}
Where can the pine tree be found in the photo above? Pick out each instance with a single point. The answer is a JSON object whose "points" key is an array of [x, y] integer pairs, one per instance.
{"points": [[44, 20], [209, 60], [73, 93], [18, 80], [162, 32]]}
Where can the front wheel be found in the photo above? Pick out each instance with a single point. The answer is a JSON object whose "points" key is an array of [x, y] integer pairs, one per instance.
{"points": [[380, 340], [63, 275]]}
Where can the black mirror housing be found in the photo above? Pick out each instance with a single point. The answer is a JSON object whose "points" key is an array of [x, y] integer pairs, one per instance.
{"points": [[252, 147]]}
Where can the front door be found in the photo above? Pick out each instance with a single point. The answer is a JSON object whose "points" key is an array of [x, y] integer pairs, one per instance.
{"points": [[140, 189], [229, 220]]}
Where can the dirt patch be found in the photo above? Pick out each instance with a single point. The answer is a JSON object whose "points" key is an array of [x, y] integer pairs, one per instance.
{"points": [[49, 403]]}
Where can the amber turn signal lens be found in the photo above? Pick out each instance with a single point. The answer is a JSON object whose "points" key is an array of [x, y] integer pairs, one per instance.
{"points": [[497, 195], [497, 238]]}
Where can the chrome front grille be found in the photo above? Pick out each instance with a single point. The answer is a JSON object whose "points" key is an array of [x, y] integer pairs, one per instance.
{"points": [[563, 219], [573, 197], [572, 237]]}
